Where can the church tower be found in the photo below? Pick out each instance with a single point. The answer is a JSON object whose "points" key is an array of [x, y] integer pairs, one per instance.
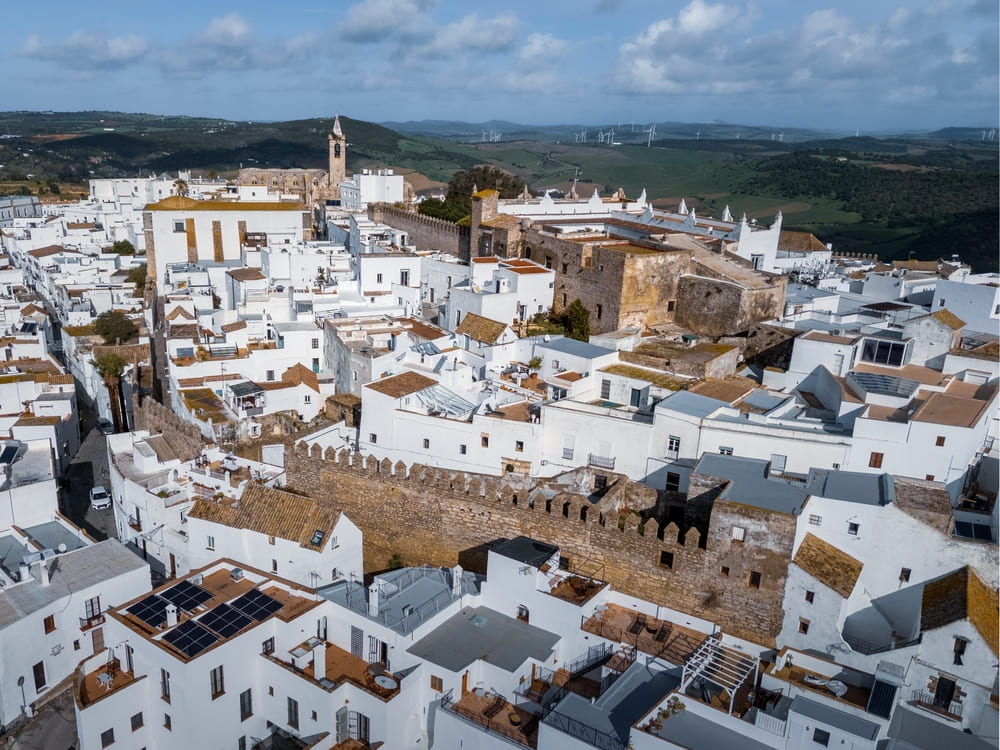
{"points": [[338, 156]]}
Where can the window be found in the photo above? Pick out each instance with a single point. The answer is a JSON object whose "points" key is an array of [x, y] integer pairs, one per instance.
{"points": [[241, 743], [600, 311], [210, 542], [724, 571], [940, 441], [875, 461], [600, 481], [486, 441], [293, 713], [166, 722], [315, 343], [667, 559], [50, 623], [960, 644], [673, 482], [178, 226], [270, 540], [853, 528], [137, 722], [92, 607], [107, 737], [928, 477], [815, 520], [670, 305], [334, 543], [904, 574], [76, 645], [315, 364], [274, 565], [217, 683], [427, 443], [39, 674], [246, 705], [883, 352], [519, 446], [548, 261], [564, 299], [437, 683], [725, 450], [810, 596], [821, 737], [270, 690], [462, 449], [754, 580], [314, 716], [673, 446], [565, 267], [165, 685], [803, 625], [378, 278], [739, 533], [267, 647], [372, 438]]}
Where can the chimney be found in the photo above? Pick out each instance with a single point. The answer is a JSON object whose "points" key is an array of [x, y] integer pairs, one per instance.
{"points": [[456, 581], [43, 573], [23, 572], [171, 615], [319, 661], [373, 600]]}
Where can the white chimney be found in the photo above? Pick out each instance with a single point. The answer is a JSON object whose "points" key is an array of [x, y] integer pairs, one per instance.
{"points": [[171, 615], [43, 573], [23, 572], [456, 580], [373, 600], [319, 661]]}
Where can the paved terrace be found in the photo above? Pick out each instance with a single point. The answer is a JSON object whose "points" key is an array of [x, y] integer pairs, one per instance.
{"points": [[661, 638]]}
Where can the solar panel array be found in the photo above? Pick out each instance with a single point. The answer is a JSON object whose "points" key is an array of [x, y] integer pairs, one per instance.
{"points": [[257, 605], [225, 620], [190, 638], [186, 595], [152, 610]]}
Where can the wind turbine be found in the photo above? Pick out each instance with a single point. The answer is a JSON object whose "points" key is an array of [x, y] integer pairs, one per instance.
{"points": [[650, 134], [611, 136], [697, 136], [781, 138]]}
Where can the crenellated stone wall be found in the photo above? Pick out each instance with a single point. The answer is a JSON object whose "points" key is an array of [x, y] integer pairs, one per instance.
{"points": [[184, 438], [426, 232], [440, 517]]}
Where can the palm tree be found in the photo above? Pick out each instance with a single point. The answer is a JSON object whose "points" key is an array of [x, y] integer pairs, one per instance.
{"points": [[111, 366], [181, 185]]}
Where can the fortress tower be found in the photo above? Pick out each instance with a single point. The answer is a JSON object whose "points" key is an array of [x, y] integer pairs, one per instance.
{"points": [[338, 156]]}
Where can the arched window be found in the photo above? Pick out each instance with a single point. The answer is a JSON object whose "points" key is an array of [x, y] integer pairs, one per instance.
{"points": [[336, 150]]}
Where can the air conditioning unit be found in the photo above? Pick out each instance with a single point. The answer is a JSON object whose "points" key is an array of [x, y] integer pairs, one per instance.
{"points": [[236, 574]]}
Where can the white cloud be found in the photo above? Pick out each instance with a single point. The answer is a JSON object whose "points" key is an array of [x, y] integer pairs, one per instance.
{"points": [[701, 18], [378, 20], [87, 50]]}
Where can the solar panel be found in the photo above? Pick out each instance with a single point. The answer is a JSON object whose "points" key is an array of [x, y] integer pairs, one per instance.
{"points": [[152, 610], [190, 638], [257, 605], [225, 620], [186, 595]]}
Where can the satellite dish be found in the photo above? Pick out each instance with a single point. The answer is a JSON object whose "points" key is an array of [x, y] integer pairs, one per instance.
{"points": [[62, 547]]}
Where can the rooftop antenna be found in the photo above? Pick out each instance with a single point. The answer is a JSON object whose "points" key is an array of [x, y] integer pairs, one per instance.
{"points": [[650, 135]]}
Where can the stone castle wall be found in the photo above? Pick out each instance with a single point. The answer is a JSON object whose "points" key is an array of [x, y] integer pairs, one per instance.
{"points": [[426, 232], [439, 517], [184, 438]]}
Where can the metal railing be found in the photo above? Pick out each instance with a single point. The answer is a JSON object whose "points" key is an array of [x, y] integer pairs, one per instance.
{"points": [[591, 735], [862, 646], [486, 723], [928, 699], [769, 723], [603, 462], [93, 621]]}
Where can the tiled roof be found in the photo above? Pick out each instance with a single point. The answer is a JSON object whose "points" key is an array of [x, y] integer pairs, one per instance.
{"points": [[829, 565], [31, 308], [181, 203], [185, 331], [274, 513], [45, 252], [481, 329], [402, 385], [300, 374], [179, 312], [237, 326], [246, 274], [134, 353], [961, 595], [802, 242], [949, 319]]}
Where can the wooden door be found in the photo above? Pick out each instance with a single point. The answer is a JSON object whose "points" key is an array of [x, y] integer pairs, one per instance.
{"points": [[97, 636]]}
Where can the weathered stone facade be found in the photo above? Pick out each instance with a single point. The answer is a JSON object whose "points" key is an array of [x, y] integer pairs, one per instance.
{"points": [[184, 438], [432, 516], [425, 232]]}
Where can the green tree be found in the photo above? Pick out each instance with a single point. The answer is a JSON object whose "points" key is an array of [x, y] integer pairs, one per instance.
{"points": [[53, 187], [181, 186], [577, 321], [137, 276], [123, 247], [458, 201], [110, 366], [114, 327]]}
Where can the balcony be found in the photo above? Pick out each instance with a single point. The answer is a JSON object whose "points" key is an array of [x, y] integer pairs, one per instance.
{"points": [[948, 709], [662, 638], [104, 678], [86, 623], [493, 713], [601, 462], [134, 523]]}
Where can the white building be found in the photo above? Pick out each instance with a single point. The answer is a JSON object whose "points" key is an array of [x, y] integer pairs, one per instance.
{"points": [[371, 186]]}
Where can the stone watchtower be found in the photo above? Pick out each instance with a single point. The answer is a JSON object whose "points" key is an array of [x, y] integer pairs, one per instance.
{"points": [[338, 156]]}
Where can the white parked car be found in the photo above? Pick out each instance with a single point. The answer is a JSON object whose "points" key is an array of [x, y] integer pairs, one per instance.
{"points": [[99, 498]]}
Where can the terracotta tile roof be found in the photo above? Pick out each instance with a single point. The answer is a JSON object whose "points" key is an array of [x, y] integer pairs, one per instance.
{"points": [[239, 325], [402, 385], [486, 260], [300, 374], [45, 252], [179, 312], [829, 565], [195, 382], [481, 329], [134, 353], [186, 331], [274, 513], [917, 265], [801, 242], [949, 319], [729, 390], [31, 309], [422, 329], [246, 274], [961, 595], [502, 221], [570, 376], [182, 203]]}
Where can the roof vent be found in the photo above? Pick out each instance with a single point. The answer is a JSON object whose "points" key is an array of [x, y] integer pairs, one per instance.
{"points": [[236, 574]]}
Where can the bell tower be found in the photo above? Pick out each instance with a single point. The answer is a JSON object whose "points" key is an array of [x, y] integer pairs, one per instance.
{"points": [[338, 155]]}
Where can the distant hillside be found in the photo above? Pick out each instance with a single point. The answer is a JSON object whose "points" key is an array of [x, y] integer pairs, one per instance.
{"points": [[930, 195]]}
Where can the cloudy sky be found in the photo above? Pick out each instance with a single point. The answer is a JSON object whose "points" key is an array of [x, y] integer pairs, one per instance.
{"points": [[849, 64]]}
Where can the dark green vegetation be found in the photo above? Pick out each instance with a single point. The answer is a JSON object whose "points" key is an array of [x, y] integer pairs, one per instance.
{"points": [[929, 195], [458, 200], [115, 327]]}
